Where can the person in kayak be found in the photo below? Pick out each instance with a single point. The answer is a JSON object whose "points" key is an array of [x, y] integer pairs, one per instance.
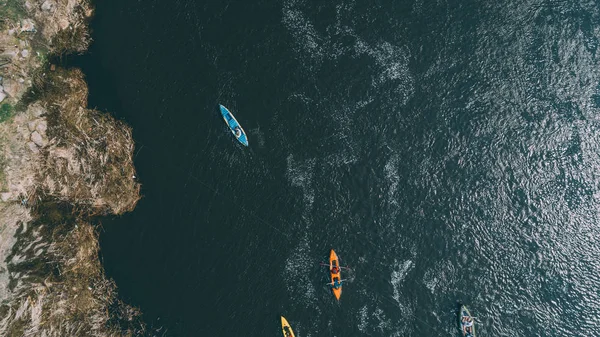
{"points": [[337, 284], [335, 269], [238, 131], [467, 323]]}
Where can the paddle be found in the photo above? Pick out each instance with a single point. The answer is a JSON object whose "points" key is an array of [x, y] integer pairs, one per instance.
{"points": [[327, 265], [331, 283]]}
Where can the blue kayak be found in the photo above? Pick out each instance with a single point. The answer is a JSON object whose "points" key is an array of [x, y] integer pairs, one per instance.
{"points": [[233, 124], [467, 326]]}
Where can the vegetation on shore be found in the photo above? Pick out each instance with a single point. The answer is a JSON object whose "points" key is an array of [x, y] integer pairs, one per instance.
{"points": [[61, 285], [60, 164]]}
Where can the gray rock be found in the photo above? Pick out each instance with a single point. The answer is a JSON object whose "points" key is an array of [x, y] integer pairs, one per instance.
{"points": [[48, 5], [31, 126], [37, 111], [42, 127], [10, 87], [27, 25], [37, 139], [25, 53], [2, 96]]}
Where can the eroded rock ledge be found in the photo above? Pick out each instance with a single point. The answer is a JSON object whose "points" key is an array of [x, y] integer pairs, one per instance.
{"points": [[60, 163]]}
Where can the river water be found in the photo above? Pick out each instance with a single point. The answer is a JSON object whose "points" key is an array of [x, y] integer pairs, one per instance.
{"points": [[447, 150]]}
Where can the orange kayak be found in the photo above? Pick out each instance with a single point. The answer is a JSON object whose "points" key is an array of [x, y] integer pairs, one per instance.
{"points": [[334, 264]]}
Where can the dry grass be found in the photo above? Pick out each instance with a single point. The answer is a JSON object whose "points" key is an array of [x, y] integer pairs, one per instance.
{"points": [[67, 293], [90, 156], [51, 281], [63, 27]]}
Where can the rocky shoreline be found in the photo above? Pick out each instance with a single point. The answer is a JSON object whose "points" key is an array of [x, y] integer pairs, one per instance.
{"points": [[60, 164]]}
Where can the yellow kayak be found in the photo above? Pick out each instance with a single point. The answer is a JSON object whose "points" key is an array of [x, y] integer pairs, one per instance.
{"points": [[286, 328]]}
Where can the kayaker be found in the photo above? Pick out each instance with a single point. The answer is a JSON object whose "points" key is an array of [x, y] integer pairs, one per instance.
{"points": [[238, 132], [335, 270], [467, 324], [337, 284]]}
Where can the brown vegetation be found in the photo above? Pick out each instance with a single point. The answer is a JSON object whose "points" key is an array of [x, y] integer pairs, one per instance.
{"points": [[60, 163], [61, 288], [89, 156]]}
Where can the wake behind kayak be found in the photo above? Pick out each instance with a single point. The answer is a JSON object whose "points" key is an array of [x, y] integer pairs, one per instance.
{"points": [[234, 126]]}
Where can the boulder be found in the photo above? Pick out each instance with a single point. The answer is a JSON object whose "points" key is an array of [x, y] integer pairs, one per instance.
{"points": [[27, 25], [41, 127], [31, 126], [10, 87], [37, 139], [11, 53], [63, 23], [48, 6], [37, 110], [2, 95]]}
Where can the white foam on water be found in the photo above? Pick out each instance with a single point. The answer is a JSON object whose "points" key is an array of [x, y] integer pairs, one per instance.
{"points": [[417, 6], [392, 179], [376, 322], [302, 29], [363, 103], [391, 60], [440, 278], [430, 280], [362, 318], [300, 174], [302, 97], [383, 323], [401, 269], [297, 276], [339, 159], [373, 319]]}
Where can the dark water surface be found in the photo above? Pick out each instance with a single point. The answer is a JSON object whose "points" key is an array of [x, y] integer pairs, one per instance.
{"points": [[448, 151]]}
